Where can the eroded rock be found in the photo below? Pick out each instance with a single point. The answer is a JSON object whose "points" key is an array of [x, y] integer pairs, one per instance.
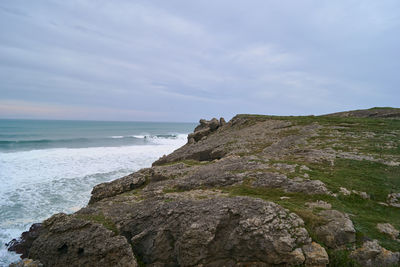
{"points": [[191, 232], [121, 185], [315, 255], [26, 263], [338, 231], [371, 254], [67, 240], [388, 229], [205, 128], [393, 200], [319, 204], [23, 245]]}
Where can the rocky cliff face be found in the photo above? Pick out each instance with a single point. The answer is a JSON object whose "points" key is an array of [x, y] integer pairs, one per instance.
{"points": [[256, 191]]}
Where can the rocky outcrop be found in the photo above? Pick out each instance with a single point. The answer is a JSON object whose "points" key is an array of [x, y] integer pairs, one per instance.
{"points": [[205, 128], [369, 113], [393, 200], [27, 263], [22, 245], [220, 200], [319, 204], [371, 254], [211, 231], [118, 186], [315, 255], [72, 241], [338, 231], [388, 229]]}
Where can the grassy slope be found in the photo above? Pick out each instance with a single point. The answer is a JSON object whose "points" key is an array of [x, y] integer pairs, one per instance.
{"points": [[377, 137]]}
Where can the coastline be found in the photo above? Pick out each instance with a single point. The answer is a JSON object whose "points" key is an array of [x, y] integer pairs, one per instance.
{"points": [[236, 190]]}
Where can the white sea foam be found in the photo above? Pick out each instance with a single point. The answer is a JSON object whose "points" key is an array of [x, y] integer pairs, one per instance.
{"points": [[36, 184], [139, 136], [116, 136]]}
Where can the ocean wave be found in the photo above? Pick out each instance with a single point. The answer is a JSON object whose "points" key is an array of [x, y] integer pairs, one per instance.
{"points": [[38, 183], [109, 141]]}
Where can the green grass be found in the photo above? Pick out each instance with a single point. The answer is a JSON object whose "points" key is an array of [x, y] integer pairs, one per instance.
{"points": [[340, 258], [377, 179], [365, 214], [362, 124], [187, 162], [101, 219], [173, 190]]}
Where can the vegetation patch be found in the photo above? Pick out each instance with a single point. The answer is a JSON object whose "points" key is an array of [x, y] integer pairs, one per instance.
{"points": [[101, 219], [187, 162]]}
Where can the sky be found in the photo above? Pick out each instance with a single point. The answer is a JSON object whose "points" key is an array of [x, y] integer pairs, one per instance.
{"points": [[173, 60]]}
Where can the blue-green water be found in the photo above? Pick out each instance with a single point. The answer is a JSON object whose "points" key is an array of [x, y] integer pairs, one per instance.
{"points": [[51, 166], [17, 135]]}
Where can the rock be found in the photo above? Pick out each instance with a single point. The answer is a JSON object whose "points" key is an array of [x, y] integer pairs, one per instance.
{"points": [[26, 263], [319, 204], [204, 129], [284, 166], [387, 228], [344, 191], [371, 254], [67, 240], [304, 168], [368, 113], [364, 195], [315, 255], [393, 200], [222, 122], [213, 124], [338, 231], [184, 210], [236, 230], [22, 246], [383, 204], [120, 185]]}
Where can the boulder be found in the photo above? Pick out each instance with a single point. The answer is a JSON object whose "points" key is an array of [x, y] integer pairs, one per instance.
{"points": [[26, 263], [121, 185], [67, 240], [213, 232], [22, 245], [319, 204], [388, 229], [393, 200], [213, 124], [371, 254], [338, 231], [315, 255], [204, 129], [344, 191]]}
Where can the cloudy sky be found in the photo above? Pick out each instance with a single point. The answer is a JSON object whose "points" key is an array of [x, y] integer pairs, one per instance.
{"points": [[182, 60]]}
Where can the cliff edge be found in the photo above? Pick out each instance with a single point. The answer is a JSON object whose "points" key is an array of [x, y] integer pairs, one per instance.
{"points": [[254, 191]]}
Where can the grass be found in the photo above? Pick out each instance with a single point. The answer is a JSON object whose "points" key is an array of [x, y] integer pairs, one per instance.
{"points": [[365, 214], [377, 137], [173, 190], [101, 219], [377, 179], [340, 258], [187, 162]]}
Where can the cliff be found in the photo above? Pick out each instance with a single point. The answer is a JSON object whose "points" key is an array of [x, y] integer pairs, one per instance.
{"points": [[255, 191]]}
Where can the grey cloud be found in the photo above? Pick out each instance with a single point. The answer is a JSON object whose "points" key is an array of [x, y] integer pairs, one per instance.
{"points": [[192, 59]]}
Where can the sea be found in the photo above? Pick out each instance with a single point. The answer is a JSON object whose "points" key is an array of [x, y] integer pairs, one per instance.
{"points": [[49, 166]]}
